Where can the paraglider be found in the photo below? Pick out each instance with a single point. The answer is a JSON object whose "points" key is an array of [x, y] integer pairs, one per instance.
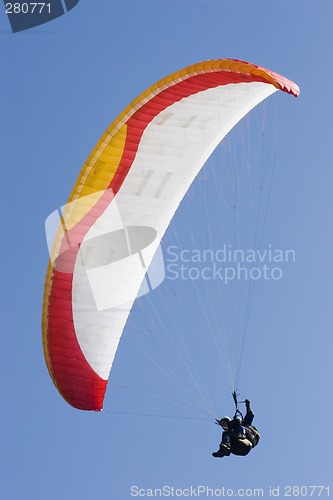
{"points": [[239, 436], [121, 205]]}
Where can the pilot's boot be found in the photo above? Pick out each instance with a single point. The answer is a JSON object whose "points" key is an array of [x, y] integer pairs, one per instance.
{"points": [[224, 451]]}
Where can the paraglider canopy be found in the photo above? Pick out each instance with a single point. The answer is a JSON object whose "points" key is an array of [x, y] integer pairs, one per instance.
{"points": [[121, 205]]}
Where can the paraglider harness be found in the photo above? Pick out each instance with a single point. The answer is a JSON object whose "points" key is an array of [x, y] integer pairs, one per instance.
{"points": [[238, 416], [237, 412]]}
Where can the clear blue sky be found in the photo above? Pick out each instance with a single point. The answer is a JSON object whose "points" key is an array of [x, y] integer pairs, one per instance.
{"points": [[62, 85]]}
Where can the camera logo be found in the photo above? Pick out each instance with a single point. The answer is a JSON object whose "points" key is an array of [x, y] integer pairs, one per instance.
{"points": [[113, 257]]}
